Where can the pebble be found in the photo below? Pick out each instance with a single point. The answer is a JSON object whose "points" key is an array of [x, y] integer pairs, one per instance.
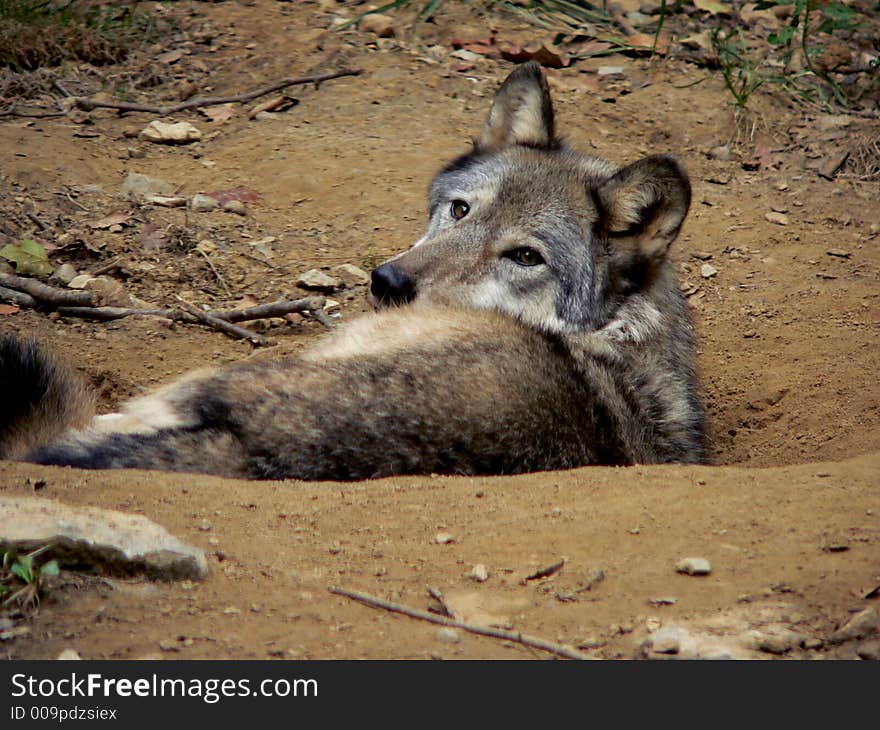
{"points": [[480, 573], [68, 655], [693, 566], [869, 650], [235, 206], [317, 280], [351, 275], [707, 271], [722, 152], [443, 538], [864, 624], [141, 186], [379, 24], [667, 640], [779, 219], [65, 273], [448, 635], [165, 133], [610, 71], [776, 643], [203, 203]]}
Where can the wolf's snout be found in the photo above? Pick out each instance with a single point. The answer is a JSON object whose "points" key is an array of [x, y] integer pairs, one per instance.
{"points": [[390, 285]]}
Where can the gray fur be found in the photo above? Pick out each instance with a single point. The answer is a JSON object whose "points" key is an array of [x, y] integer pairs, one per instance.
{"points": [[578, 351]]}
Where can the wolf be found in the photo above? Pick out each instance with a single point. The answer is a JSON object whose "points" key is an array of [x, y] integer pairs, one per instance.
{"points": [[537, 324]]}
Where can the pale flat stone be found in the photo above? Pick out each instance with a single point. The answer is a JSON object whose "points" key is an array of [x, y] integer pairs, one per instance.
{"points": [[114, 542]]}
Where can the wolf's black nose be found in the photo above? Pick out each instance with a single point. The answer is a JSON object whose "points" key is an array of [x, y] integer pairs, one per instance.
{"points": [[391, 286]]}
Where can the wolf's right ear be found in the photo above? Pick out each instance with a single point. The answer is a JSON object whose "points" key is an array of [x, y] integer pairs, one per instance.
{"points": [[522, 113], [643, 205]]}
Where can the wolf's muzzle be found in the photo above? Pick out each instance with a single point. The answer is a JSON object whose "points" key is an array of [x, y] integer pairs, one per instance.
{"points": [[391, 286]]}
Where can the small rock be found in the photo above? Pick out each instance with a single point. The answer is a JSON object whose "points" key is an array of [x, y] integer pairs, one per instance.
{"points": [[69, 655], [448, 635], [117, 542], [693, 566], [165, 133], [203, 203], [480, 573], [317, 280], [869, 650], [351, 275], [235, 206], [722, 152], [779, 219], [861, 626], [837, 252], [443, 538], [379, 24], [663, 601], [610, 71], [667, 640], [776, 642], [169, 645], [707, 271], [232, 611], [141, 186], [65, 273]]}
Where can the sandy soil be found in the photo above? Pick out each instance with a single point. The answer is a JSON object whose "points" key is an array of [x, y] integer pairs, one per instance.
{"points": [[789, 517]]}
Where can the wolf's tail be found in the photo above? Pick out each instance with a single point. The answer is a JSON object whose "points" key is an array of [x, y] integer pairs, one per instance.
{"points": [[40, 397]]}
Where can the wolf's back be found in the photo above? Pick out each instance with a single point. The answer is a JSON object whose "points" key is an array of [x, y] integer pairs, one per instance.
{"points": [[40, 397]]}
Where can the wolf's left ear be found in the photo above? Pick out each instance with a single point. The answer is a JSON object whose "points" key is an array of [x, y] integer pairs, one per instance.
{"points": [[643, 205], [522, 112]]}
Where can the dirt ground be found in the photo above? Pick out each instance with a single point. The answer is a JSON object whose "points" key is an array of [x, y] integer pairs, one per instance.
{"points": [[789, 515]]}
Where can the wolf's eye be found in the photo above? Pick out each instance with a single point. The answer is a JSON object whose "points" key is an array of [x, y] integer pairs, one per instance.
{"points": [[459, 209], [525, 256]]}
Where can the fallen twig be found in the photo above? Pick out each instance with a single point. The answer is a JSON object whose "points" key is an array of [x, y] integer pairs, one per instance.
{"points": [[531, 641], [45, 293], [223, 326], [87, 104], [261, 311], [216, 273], [275, 309]]}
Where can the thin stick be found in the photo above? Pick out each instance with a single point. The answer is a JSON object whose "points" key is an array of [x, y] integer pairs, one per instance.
{"points": [[223, 326], [87, 104], [531, 641], [264, 311], [46, 293], [36, 221], [216, 273], [261, 311]]}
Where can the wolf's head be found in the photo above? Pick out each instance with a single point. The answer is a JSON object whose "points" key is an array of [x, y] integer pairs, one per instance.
{"points": [[523, 225]]}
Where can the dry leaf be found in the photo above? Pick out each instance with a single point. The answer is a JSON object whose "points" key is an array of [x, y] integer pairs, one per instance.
{"points": [[219, 113], [712, 6], [645, 42], [544, 53], [170, 57], [761, 159], [114, 219]]}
